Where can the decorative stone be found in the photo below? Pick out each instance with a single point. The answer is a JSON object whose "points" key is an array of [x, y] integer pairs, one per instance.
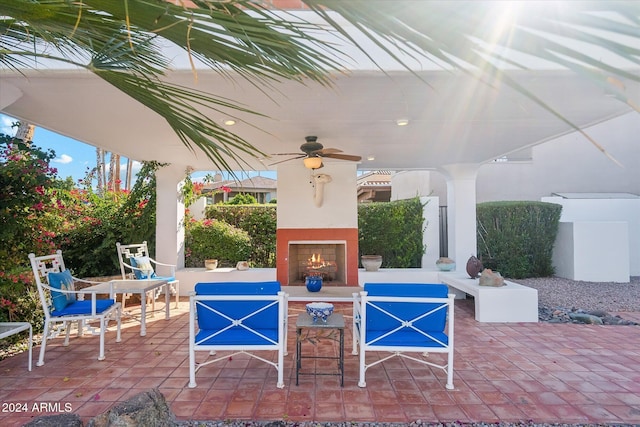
{"points": [[57, 420], [491, 278], [144, 409], [474, 267]]}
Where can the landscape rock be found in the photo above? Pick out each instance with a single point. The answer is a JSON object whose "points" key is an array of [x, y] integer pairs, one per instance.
{"points": [[57, 420], [144, 409], [490, 278]]}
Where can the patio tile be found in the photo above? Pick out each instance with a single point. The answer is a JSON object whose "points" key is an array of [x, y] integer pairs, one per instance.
{"points": [[504, 372]]}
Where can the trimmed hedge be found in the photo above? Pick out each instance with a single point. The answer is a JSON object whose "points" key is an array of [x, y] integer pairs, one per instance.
{"points": [[259, 222], [211, 239], [516, 238], [393, 230]]}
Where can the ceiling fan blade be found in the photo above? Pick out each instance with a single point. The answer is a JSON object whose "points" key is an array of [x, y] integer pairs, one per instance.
{"points": [[328, 151], [343, 157], [287, 154], [286, 160]]}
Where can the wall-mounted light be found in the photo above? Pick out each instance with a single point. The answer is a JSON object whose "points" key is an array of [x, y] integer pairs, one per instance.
{"points": [[402, 122], [312, 162]]}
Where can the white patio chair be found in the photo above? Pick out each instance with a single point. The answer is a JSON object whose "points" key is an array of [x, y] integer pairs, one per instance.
{"points": [[63, 304], [242, 317], [403, 319], [135, 263]]}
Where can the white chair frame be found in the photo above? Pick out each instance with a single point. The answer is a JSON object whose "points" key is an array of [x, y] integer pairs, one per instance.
{"points": [[125, 252], [279, 346], [364, 302], [54, 325]]}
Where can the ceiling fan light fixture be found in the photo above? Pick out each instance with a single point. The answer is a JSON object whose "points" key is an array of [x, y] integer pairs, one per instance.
{"points": [[312, 162]]}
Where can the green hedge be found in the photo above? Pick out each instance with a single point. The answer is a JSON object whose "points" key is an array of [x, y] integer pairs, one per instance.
{"points": [[212, 239], [259, 222], [393, 230], [516, 238]]}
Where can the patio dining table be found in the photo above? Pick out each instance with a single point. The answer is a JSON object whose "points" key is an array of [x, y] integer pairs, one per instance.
{"points": [[10, 328], [133, 286]]}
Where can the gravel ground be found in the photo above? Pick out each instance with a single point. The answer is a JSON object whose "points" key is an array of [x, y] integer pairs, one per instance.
{"points": [[606, 296]]}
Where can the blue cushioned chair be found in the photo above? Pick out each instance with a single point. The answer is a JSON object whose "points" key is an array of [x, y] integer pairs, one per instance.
{"points": [[403, 318], [135, 263], [238, 316], [63, 304]]}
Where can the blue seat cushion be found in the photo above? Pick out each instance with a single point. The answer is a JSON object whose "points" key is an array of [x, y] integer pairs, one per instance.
{"points": [[237, 336], [62, 281], [378, 320], [144, 263], [83, 307], [211, 314], [408, 338], [238, 288]]}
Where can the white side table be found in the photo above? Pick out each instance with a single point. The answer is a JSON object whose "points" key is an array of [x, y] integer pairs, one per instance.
{"points": [[11, 328]]}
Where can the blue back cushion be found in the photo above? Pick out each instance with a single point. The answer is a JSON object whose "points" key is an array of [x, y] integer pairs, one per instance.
{"points": [[144, 263], [207, 319], [63, 281], [377, 320]]}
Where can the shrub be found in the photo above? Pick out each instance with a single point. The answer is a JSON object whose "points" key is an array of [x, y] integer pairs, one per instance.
{"points": [[259, 221], [517, 238], [242, 199], [393, 230], [212, 239]]}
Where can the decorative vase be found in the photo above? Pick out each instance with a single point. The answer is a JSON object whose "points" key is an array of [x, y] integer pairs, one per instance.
{"points": [[474, 267], [242, 265], [314, 283], [210, 264], [445, 264], [371, 262]]}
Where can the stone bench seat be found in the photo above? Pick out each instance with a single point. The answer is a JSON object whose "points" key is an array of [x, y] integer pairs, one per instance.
{"points": [[510, 303]]}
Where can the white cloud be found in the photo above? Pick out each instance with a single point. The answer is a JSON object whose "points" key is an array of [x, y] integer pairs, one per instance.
{"points": [[64, 159], [5, 125]]}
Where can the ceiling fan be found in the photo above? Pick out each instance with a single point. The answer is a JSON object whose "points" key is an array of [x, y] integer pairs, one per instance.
{"points": [[313, 152]]}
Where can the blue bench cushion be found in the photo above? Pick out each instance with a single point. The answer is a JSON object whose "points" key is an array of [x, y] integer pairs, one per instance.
{"points": [[83, 307], [215, 315], [378, 320]]}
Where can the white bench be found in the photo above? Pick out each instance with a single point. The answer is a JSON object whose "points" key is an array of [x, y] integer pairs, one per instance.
{"points": [[510, 303]]}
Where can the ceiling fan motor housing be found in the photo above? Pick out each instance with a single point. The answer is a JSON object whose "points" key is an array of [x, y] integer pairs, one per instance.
{"points": [[311, 145]]}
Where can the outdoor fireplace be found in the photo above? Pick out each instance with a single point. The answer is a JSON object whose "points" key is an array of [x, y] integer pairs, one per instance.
{"points": [[328, 252], [324, 259]]}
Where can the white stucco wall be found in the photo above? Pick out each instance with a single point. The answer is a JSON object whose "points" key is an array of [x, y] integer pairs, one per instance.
{"points": [[606, 210], [592, 251], [296, 208]]}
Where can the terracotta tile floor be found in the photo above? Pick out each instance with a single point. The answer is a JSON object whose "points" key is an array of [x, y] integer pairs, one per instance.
{"points": [[503, 372]]}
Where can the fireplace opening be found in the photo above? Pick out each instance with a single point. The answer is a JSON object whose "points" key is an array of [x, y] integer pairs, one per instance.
{"points": [[326, 260]]}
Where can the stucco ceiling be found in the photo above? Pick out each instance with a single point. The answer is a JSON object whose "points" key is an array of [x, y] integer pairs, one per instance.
{"points": [[452, 119]]}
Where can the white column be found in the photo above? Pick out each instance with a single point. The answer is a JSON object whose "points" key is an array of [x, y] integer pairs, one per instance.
{"points": [[170, 215], [461, 211]]}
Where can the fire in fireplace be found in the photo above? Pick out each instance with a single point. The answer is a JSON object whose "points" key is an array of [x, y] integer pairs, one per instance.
{"points": [[318, 266], [326, 260]]}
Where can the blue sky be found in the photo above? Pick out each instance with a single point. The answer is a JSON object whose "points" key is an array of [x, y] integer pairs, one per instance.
{"points": [[74, 158]]}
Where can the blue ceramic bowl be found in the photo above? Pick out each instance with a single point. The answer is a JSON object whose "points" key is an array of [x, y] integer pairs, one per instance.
{"points": [[319, 310]]}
